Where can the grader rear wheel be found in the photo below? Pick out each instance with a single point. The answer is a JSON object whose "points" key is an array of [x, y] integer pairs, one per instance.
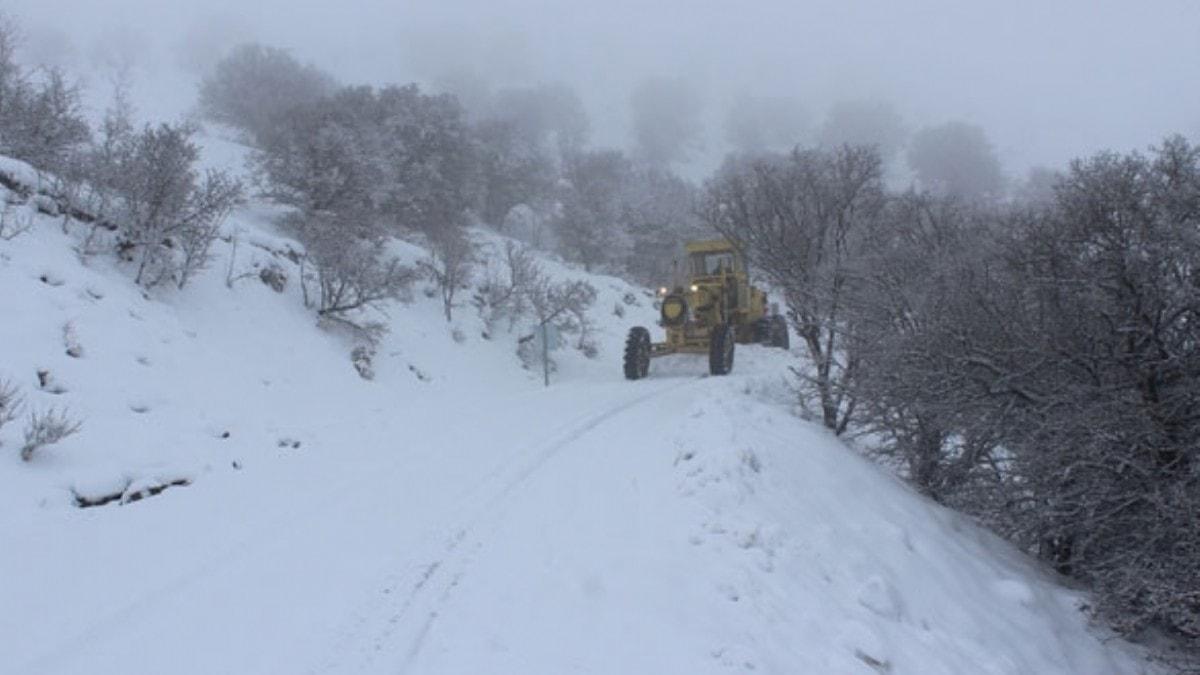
{"points": [[780, 336], [764, 332], [637, 353]]}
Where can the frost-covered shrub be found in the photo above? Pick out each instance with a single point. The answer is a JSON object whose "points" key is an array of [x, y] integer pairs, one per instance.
{"points": [[350, 263], [274, 277], [168, 214], [45, 429], [11, 402], [14, 222], [41, 114], [362, 357], [503, 293], [71, 340]]}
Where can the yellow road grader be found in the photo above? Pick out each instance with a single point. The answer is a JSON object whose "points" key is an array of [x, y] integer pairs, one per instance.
{"points": [[708, 313]]}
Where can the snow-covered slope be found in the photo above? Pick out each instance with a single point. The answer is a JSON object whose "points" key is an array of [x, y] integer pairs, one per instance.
{"points": [[452, 515]]}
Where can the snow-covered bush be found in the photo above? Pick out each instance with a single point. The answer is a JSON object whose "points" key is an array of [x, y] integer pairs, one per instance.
{"points": [[274, 277], [11, 403], [71, 340], [363, 357], [352, 271], [503, 293], [168, 215], [47, 428], [517, 289], [41, 117], [14, 222], [564, 304]]}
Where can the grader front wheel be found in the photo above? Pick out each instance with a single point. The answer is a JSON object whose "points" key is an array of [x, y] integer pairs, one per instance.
{"points": [[720, 350], [637, 353]]}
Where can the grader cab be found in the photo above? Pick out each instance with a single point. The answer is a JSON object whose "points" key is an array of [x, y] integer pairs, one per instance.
{"points": [[709, 309]]}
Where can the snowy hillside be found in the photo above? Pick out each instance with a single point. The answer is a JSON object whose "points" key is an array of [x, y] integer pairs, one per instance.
{"points": [[261, 508]]}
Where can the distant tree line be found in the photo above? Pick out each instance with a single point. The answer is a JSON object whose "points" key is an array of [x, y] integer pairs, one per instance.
{"points": [[361, 165], [1032, 362]]}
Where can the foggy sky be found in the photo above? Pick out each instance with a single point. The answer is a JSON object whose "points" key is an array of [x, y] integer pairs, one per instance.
{"points": [[1047, 79]]}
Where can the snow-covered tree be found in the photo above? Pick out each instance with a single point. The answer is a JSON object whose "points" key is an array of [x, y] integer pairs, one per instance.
{"points": [[449, 265], [588, 224], [41, 115], [658, 215], [513, 171], [803, 219], [255, 86], [957, 159], [767, 124], [667, 125], [871, 123]]}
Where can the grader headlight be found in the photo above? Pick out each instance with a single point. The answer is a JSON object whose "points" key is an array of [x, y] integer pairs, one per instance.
{"points": [[674, 310]]}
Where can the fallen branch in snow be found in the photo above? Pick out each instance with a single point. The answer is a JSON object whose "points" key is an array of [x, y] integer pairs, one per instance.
{"points": [[125, 495]]}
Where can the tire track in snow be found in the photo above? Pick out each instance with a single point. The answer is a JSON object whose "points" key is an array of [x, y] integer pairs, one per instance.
{"points": [[445, 572], [270, 530]]}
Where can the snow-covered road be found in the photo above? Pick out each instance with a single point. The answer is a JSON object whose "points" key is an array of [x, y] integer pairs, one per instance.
{"points": [[330, 571], [454, 516]]}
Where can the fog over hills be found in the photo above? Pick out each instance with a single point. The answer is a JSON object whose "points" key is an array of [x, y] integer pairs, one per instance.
{"points": [[1047, 81]]}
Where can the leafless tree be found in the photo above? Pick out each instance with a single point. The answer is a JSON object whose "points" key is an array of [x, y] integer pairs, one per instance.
{"points": [[803, 219], [449, 265], [353, 270], [956, 159], [503, 291]]}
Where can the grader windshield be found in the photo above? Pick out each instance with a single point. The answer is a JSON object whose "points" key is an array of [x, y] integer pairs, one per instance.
{"points": [[711, 263]]}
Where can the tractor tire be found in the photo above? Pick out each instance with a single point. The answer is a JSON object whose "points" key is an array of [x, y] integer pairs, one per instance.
{"points": [[764, 332], [780, 335], [720, 350], [637, 353]]}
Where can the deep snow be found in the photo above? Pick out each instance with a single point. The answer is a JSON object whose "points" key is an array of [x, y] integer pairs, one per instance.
{"points": [[452, 515]]}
